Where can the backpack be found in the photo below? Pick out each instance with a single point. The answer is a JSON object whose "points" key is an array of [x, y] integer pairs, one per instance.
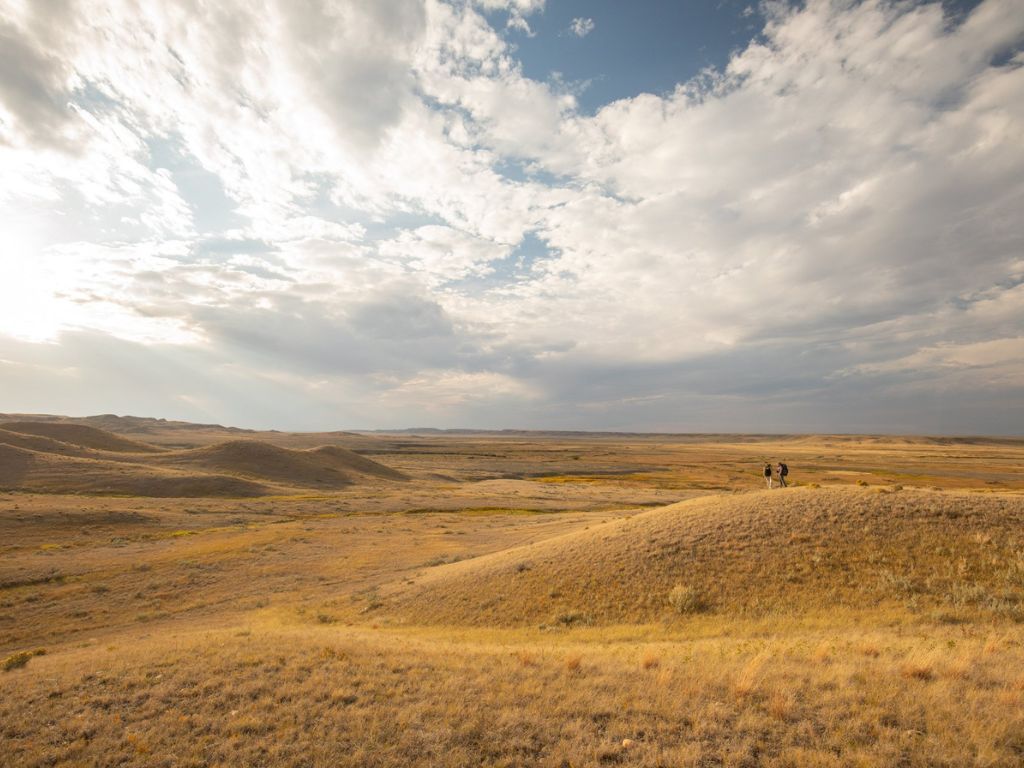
{"points": [[784, 470]]}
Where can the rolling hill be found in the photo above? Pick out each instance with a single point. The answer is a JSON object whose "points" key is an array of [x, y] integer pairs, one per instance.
{"points": [[327, 467], [179, 435], [45, 472], [45, 457], [794, 550], [32, 442], [79, 434]]}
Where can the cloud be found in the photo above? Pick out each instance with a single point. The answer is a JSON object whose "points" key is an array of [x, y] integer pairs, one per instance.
{"points": [[581, 26], [992, 363], [847, 207], [33, 92], [831, 221], [441, 254], [516, 21], [525, 7]]}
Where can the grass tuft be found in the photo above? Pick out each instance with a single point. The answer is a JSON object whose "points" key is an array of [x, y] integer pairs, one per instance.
{"points": [[572, 618], [20, 659], [650, 660], [918, 667], [688, 599]]}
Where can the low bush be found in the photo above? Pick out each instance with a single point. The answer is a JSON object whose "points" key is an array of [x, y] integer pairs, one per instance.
{"points": [[20, 659], [571, 618], [688, 599]]}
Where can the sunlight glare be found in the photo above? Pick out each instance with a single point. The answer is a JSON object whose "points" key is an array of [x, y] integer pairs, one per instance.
{"points": [[29, 308]]}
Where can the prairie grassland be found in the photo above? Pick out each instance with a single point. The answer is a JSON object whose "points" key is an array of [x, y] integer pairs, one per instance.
{"points": [[315, 695], [74, 566], [712, 463], [946, 553], [516, 604]]}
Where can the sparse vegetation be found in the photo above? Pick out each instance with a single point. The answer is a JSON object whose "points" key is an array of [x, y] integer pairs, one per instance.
{"points": [[750, 555], [444, 559], [16, 660], [572, 700], [572, 618], [688, 599], [20, 659], [813, 626]]}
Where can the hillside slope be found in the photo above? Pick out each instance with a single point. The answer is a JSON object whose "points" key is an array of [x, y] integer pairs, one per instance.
{"points": [[752, 553], [327, 467], [43, 472], [58, 457], [32, 442], [79, 434]]}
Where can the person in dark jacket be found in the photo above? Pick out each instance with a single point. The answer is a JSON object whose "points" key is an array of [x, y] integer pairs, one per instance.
{"points": [[783, 473], [768, 474]]}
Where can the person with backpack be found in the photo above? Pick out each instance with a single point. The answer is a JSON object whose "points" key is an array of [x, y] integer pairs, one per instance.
{"points": [[783, 472], [768, 474]]}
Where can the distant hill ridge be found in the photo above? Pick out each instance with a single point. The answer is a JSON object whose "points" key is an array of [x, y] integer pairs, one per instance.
{"points": [[32, 442], [62, 457], [119, 424], [327, 466], [144, 425], [39, 472], [79, 434], [739, 437]]}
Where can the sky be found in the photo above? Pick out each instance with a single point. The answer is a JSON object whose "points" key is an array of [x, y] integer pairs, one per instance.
{"points": [[572, 214]]}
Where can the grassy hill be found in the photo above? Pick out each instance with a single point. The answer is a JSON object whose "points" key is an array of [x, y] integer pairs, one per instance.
{"points": [[32, 442], [79, 434], [792, 550], [579, 621], [326, 467], [48, 457], [45, 472]]}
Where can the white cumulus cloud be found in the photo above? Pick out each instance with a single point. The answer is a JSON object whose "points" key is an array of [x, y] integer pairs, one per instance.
{"points": [[374, 197], [581, 26]]}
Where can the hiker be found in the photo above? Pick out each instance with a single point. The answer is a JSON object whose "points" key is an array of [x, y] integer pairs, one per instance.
{"points": [[783, 471], [768, 474]]}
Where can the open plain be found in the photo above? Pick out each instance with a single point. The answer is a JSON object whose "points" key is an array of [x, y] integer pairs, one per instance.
{"points": [[184, 595], [782, 232]]}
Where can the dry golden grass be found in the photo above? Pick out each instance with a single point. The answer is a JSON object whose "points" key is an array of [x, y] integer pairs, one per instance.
{"points": [[353, 697], [951, 554], [48, 472], [837, 626], [79, 434], [326, 467], [43, 444], [41, 457], [76, 566]]}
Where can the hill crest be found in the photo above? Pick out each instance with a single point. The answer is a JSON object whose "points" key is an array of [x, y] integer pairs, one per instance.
{"points": [[327, 466], [746, 553], [79, 434], [24, 469], [76, 458]]}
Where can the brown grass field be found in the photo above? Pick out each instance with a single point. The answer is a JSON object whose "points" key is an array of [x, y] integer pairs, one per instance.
{"points": [[189, 595]]}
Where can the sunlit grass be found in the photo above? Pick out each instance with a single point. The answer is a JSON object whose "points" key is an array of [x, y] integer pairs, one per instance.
{"points": [[275, 631]]}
